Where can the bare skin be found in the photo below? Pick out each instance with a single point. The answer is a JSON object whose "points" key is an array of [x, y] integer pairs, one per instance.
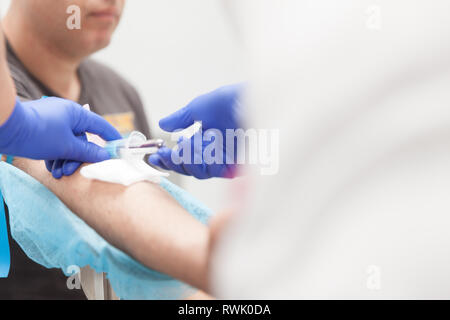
{"points": [[7, 90], [142, 220], [57, 51], [126, 217]]}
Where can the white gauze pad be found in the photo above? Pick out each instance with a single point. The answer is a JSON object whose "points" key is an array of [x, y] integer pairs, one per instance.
{"points": [[125, 172]]}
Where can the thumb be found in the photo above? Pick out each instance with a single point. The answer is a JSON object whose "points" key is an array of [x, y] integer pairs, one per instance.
{"points": [[180, 119], [93, 123], [84, 151]]}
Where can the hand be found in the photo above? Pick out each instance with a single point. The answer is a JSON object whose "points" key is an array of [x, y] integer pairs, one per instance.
{"points": [[216, 110], [64, 167], [53, 128]]}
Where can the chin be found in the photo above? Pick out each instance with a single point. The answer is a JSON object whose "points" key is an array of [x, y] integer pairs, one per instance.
{"points": [[99, 42]]}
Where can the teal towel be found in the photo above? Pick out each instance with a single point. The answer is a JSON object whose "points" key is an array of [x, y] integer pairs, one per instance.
{"points": [[54, 237]]}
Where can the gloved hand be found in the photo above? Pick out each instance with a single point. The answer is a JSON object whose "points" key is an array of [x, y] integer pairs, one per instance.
{"points": [[64, 167], [216, 110], [52, 128]]}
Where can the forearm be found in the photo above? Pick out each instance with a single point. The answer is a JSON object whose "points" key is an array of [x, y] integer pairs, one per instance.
{"points": [[7, 90], [142, 220]]}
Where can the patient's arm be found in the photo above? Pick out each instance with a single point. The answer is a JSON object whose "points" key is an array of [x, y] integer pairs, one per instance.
{"points": [[142, 220]]}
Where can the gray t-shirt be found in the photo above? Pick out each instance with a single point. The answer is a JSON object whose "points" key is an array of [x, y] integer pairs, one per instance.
{"points": [[109, 95]]}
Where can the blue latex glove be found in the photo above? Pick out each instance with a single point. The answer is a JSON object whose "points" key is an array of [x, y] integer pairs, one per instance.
{"points": [[216, 110], [52, 128], [64, 167]]}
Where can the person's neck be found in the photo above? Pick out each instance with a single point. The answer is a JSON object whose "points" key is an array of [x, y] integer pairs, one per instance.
{"points": [[43, 60]]}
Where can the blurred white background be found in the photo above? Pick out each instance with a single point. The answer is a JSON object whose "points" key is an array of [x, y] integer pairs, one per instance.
{"points": [[172, 51]]}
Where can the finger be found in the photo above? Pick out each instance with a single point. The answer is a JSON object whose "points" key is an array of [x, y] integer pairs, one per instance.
{"points": [[69, 167], [49, 165], [199, 171], [180, 119], [165, 155], [84, 151], [57, 169], [93, 123], [190, 168], [155, 160]]}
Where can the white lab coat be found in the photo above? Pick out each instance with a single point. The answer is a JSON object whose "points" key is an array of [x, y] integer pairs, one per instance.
{"points": [[360, 207]]}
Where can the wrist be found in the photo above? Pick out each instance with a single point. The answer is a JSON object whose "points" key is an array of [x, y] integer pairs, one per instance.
{"points": [[7, 90], [6, 108], [6, 158], [12, 129]]}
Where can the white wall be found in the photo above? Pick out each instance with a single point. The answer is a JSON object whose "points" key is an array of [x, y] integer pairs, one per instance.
{"points": [[173, 50], [3, 6]]}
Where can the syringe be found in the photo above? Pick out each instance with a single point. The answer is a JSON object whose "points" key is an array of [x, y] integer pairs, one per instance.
{"points": [[136, 145]]}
